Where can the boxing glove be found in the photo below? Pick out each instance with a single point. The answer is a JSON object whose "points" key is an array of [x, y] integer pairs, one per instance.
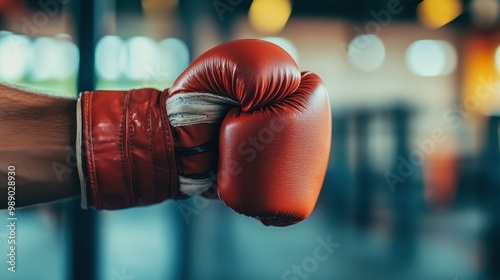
{"points": [[275, 139], [143, 146]]}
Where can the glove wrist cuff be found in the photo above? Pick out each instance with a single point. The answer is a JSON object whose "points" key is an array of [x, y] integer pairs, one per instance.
{"points": [[127, 151]]}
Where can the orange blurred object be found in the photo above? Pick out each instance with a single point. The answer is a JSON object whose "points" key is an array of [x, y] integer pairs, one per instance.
{"points": [[480, 75], [7, 6], [440, 179]]}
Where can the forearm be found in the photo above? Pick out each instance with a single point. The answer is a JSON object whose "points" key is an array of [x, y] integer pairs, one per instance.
{"points": [[37, 138]]}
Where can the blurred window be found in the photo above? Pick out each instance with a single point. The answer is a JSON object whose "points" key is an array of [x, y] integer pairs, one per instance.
{"points": [[143, 54], [47, 63], [139, 62], [366, 52], [429, 58], [54, 58], [174, 58], [15, 55], [110, 57]]}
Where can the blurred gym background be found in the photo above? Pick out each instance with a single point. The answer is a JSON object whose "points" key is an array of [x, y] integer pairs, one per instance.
{"points": [[413, 185]]}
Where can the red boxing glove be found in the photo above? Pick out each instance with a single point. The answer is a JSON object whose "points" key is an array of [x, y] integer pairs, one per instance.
{"points": [[242, 111]]}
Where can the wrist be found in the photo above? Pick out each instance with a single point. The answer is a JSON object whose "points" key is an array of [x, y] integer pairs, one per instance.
{"points": [[127, 151]]}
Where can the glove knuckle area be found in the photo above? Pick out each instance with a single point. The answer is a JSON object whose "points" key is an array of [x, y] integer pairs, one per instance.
{"points": [[253, 72], [273, 161]]}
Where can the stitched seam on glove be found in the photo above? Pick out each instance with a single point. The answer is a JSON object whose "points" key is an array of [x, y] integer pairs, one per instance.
{"points": [[132, 195], [173, 188], [122, 143], [90, 148], [151, 151]]}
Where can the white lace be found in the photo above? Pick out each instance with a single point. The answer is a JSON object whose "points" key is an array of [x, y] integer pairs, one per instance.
{"points": [[196, 108]]}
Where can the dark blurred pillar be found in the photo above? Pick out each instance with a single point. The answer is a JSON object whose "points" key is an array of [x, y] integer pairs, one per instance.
{"points": [[221, 14], [186, 233], [188, 12], [491, 165], [87, 16], [191, 13], [362, 173], [405, 188], [338, 181], [225, 13]]}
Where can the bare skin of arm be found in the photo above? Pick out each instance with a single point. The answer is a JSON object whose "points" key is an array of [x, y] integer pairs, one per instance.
{"points": [[37, 137]]}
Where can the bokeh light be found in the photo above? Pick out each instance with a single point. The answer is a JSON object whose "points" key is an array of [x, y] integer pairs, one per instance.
{"points": [[436, 13], [366, 52], [110, 57], [429, 58], [54, 58], [15, 55], [174, 55], [269, 16], [143, 54], [69, 53]]}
